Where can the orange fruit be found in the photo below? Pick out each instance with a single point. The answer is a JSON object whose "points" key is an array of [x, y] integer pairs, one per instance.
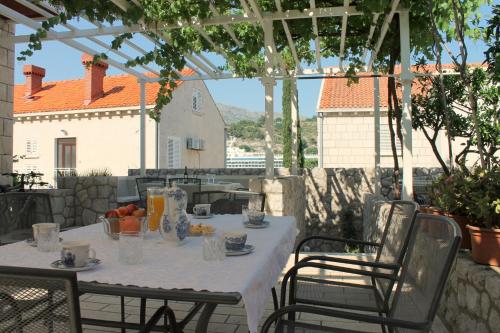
{"points": [[122, 211], [139, 213], [130, 224]]}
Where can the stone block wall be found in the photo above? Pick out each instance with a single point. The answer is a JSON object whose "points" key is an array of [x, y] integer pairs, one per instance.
{"points": [[63, 206], [471, 301], [284, 197], [7, 31], [93, 196]]}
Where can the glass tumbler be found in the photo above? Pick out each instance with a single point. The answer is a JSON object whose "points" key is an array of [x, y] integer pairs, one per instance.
{"points": [[48, 239], [130, 247], [244, 213], [213, 246]]}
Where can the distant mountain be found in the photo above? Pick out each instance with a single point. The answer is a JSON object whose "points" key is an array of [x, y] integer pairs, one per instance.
{"points": [[233, 114]]}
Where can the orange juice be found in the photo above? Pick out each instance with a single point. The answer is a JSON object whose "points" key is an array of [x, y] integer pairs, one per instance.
{"points": [[156, 204]]}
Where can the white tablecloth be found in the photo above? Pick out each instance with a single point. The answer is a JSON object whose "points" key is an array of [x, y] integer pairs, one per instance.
{"points": [[169, 266]]}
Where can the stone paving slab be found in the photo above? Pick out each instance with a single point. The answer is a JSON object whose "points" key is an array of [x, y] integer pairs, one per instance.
{"points": [[226, 318]]}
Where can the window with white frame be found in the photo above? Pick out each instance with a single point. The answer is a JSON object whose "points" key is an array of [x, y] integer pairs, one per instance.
{"points": [[31, 148], [197, 101], [31, 167], [174, 160], [385, 140]]}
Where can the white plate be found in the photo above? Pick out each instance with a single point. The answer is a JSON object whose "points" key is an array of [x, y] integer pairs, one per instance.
{"points": [[262, 225], [246, 250], [91, 264], [32, 242], [203, 217]]}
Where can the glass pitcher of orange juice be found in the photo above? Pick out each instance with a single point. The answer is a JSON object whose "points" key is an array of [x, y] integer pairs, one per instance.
{"points": [[155, 205]]}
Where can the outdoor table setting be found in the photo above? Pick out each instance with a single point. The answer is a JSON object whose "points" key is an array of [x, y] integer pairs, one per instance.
{"points": [[222, 261]]}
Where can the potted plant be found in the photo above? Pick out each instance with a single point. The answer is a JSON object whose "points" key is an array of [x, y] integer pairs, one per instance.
{"points": [[483, 209], [448, 193]]}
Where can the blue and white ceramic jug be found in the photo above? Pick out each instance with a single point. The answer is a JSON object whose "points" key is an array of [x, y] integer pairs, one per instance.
{"points": [[175, 223]]}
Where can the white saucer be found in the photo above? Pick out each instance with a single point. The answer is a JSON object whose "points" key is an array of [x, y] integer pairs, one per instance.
{"points": [[91, 264], [203, 217], [245, 250], [33, 243], [262, 225]]}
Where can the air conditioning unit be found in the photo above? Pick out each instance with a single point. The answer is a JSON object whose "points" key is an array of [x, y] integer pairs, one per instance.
{"points": [[195, 143]]}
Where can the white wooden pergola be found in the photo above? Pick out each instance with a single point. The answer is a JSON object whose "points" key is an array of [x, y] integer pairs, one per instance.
{"points": [[274, 67]]}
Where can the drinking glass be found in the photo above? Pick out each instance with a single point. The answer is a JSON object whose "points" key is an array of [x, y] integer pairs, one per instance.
{"points": [[130, 247], [244, 212], [48, 239], [213, 246], [156, 205]]}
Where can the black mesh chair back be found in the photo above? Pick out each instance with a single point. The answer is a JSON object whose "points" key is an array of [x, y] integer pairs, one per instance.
{"points": [[432, 251], [38, 300], [230, 202], [142, 187], [395, 239], [19, 211]]}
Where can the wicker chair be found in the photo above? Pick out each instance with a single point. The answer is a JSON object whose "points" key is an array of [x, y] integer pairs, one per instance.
{"points": [[381, 272], [47, 300], [432, 250], [19, 211], [142, 187]]}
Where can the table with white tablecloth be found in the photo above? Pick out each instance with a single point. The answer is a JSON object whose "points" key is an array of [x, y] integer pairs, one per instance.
{"points": [[179, 272]]}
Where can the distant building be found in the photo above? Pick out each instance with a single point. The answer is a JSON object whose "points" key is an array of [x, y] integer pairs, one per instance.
{"points": [[93, 123], [346, 127]]}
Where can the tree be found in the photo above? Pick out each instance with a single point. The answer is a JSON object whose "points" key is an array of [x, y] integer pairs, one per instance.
{"points": [[492, 39], [287, 123]]}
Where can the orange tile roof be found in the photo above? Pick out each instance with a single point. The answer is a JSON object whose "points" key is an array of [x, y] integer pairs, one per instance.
{"points": [[119, 91], [337, 94]]}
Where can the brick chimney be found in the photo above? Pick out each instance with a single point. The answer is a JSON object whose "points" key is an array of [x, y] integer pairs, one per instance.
{"points": [[94, 78], [34, 76]]}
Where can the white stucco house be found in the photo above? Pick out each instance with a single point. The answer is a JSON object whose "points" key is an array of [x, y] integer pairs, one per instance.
{"points": [[346, 127], [93, 123]]}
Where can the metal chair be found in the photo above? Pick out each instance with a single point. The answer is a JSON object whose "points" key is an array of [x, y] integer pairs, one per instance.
{"points": [[380, 272], [230, 202], [47, 300], [433, 247], [142, 187], [19, 211]]}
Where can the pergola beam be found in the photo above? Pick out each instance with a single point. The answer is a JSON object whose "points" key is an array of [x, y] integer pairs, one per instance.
{"points": [[291, 44], [226, 26], [383, 32], [19, 18], [124, 5], [370, 35], [343, 35], [312, 4]]}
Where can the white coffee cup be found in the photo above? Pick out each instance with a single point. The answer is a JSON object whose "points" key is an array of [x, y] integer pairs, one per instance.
{"points": [[201, 209], [76, 253], [43, 228]]}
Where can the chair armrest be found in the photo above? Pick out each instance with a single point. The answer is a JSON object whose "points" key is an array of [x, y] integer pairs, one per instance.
{"points": [[331, 239], [391, 322], [353, 262], [292, 272]]}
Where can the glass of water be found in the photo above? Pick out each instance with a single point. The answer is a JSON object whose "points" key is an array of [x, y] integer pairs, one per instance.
{"points": [[214, 247], [130, 247], [47, 239], [244, 213]]}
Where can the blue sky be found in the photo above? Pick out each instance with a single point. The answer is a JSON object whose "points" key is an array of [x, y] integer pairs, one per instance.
{"points": [[62, 63]]}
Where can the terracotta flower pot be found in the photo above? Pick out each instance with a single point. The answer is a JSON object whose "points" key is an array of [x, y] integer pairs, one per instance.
{"points": [[431, 210], [462, 222], [485, 245]]}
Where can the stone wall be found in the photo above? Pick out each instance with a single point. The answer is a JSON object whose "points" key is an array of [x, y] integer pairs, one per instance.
{"points": [[63, 206], [7, 31], [471, 301], [284, 197], [93, 196]]}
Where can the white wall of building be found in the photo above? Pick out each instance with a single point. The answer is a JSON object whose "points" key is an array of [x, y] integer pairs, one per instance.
{"points": [[180, 121], [349, 142]]}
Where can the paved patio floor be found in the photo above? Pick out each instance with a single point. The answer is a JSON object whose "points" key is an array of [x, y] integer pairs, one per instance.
{"points": [[226, 319]]}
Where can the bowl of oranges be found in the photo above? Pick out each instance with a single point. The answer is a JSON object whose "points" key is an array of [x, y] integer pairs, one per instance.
{"points": [[124, 219]]}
